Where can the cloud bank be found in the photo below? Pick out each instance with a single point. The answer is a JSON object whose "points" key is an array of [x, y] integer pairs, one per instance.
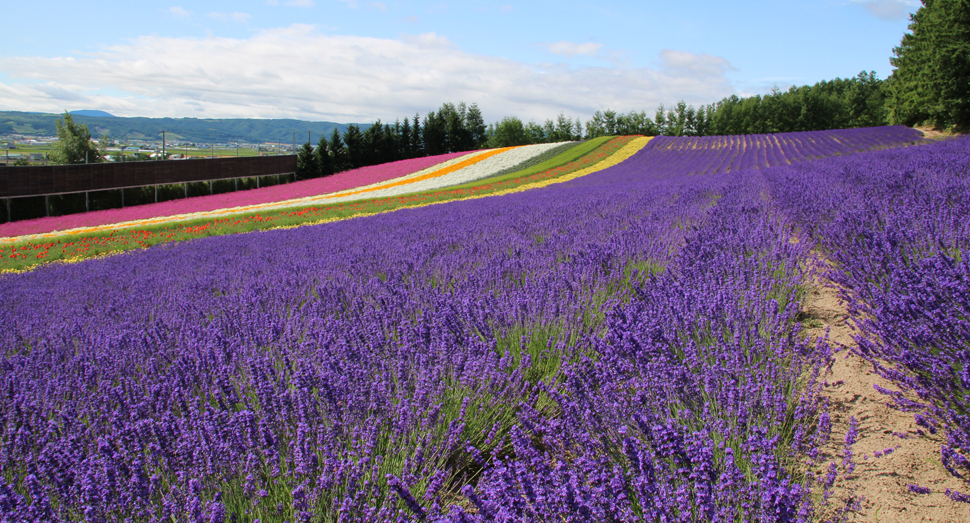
{"points": [[298, 72], [889, 9]]}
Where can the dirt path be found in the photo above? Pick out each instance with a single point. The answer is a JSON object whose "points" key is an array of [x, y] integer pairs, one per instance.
{"points": [[881, 483]]}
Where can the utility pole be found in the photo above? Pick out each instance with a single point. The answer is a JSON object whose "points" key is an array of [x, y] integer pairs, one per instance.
{"points": [[163, 144], [308, 139]]}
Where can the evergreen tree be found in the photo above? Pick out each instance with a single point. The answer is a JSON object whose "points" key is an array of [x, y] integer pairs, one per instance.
{"points": [[931, 80], [475, 126], [404, 137], [564, 129], [609, 122], [74, 144], [417, 138], [434, 134], [354, 142], [596, 126], [535, 133], [392, 149], [307, 165], [372, 145], [660, 120], [338, 153], [324, 159]]}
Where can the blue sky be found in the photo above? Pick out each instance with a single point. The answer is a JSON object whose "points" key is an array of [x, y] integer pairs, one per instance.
{"points": [[360, 60]]}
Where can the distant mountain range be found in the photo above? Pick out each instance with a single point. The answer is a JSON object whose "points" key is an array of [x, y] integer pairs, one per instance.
{"points": [[89, 112], [198, 130]]}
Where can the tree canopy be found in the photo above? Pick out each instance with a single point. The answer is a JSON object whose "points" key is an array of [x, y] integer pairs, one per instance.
{"points": [[931, 82], [74, 143]]}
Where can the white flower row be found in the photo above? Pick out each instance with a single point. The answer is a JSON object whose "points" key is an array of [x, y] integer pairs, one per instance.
{"points": [[428, 170], [477, 171]]}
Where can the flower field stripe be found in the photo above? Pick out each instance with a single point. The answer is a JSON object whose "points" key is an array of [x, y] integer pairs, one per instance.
{"points": [[465, 159], [429, 173], [617, 158], [345, 180], [437, 170], [472, 173], [614, 159], [437, 173]]}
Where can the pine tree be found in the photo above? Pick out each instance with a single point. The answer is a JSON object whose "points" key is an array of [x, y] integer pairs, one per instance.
{"points": [[404, 138], [434, 134], [475, 125], [323, 157], [338, 154], [354, 141], [931, 80], [417, 138], [307, 165]]}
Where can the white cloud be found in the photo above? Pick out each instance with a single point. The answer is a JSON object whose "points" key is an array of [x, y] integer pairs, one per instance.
{"points": [[889, 9], [506, 8], [570, 49], [235, 17], [301, 3], [379, 6], [179, 12], [298, 72]]}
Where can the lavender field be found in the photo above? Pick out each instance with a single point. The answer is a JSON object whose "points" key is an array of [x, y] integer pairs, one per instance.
{"points": [[620, 347]]}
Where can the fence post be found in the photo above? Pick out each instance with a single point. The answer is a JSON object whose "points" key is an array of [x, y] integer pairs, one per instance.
{"points": [[186, 187], [47, 205], [210, 187], [8, 210], [122, 198], [87, 205], [156, 194]]}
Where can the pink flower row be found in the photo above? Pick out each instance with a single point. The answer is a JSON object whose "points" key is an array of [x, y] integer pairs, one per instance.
{"points": [[338, 182]]}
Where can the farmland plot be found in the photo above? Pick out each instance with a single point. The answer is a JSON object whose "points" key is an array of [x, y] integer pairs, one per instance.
{"points": [[622, 346]]}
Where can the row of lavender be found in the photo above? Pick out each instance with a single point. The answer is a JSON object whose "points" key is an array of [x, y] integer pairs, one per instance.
{"points": [[896, 224], [619, 347], [710, 154]]}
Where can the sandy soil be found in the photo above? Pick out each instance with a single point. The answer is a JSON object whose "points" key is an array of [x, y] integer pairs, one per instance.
{"points": [[879, 483], [934, 134]]}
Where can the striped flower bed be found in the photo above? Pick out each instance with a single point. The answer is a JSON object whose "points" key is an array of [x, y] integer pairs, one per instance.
{"points": [[362, 177]]}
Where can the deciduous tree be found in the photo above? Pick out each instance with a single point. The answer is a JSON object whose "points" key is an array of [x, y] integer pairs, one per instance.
{"points": [[74, 143]]}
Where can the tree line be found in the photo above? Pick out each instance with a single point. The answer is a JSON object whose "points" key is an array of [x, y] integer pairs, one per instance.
{"points": [[836, 104]]}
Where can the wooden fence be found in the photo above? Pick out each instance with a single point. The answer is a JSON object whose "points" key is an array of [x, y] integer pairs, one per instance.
{"points": [[19, 182]]}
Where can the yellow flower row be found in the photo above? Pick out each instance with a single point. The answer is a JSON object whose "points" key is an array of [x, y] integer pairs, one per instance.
{"points": [[620, 156]]}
